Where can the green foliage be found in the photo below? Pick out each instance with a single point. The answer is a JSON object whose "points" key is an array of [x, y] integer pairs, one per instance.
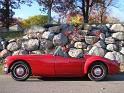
{"points": [[34, 20]]}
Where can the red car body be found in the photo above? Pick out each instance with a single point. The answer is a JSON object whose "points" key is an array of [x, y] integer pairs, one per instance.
{"points": [[49, 65]]}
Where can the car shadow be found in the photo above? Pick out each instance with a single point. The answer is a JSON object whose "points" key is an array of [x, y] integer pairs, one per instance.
{"points": [[117, 77]]}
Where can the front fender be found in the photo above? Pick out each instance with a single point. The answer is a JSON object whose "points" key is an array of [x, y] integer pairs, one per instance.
{"points": [[93, 59]]}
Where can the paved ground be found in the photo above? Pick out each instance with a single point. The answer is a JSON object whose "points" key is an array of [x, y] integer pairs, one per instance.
{"points": [[114, 84]]}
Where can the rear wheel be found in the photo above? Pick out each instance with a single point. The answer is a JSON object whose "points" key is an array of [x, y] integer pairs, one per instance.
{"points": [[97, 72], [20, 71]]}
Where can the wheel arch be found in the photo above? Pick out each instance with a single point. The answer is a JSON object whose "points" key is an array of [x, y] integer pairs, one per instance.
{"points": [[89, 64], [9, 70]]}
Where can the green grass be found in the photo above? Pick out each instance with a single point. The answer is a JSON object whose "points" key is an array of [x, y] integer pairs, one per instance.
{"points": [[11, 35]]}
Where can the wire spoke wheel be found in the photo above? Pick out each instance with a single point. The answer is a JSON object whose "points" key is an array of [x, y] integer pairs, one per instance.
{"points": [[97, 72], [20, 71]]}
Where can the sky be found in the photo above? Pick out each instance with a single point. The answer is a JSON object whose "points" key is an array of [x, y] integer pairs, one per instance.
{"points": [[26, 11]]}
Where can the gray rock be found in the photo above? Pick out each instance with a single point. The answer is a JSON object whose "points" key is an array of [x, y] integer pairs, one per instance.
{"points": [[103, 28], [48, 35], [109, 40], [121, 43], [77, 53], [87, 26], [89, 47], [84, 32], [97, 51], [60, 40], [112, 47], [108, 25], [118, 35], [12, 40], [102, 36], [76, 37], [66, 27], [55, 29], [91, 39], [13, 46], [34, 31], [117, 28], [37, 52], [20, 52], [80, 45], [45, 44], [122, 50], [30, 45], [101, 44], [110, 56], [4, 53], [115, 56], [25, 37]]}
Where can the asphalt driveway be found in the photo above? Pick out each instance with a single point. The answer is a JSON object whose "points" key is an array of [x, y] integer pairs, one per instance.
{"points": [[113, 84]]}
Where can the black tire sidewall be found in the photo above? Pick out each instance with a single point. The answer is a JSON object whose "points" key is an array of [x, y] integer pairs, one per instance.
{"points": [[104, 72], [15, 77]]}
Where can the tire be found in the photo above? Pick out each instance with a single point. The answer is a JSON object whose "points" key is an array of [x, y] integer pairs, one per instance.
{"points": [[97, 72], [20, 71]]}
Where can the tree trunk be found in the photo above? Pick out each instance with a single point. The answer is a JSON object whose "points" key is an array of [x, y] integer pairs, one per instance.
{"points": [[85, 11], [7, 14], [49, 15]]}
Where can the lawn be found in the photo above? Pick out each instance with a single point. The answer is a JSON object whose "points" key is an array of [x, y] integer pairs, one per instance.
{"points": [[12, 34]]}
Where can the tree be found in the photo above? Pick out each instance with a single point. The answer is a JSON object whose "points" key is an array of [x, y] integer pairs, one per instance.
{"points": [[100, 8], [34, 20], [7, 7], [48, 4]]}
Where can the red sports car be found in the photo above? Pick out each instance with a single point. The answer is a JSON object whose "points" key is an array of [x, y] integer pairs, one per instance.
{"points": [[50, 65]]}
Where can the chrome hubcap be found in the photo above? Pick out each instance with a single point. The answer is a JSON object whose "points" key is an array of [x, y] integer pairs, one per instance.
{"points": [[20, 71], [97, 71]]}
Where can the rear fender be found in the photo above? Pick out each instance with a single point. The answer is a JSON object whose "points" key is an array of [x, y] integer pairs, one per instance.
{"points": [[92, 60]]}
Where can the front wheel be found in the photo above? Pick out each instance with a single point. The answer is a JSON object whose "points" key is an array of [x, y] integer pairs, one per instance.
{"points": [[20, 71], [97, 72]]}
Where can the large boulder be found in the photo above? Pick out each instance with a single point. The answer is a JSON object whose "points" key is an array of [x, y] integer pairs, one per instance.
{"points": [[109, 40], [118, 35], [76, 36], [101, 44], [34, 31], [103, 28], [80, 45], [48, 35], [30, 45], [4, 53], [55, 29], [45, 44], [117, 28], [97, 51], [112, 47], [13, 46], [115, 56], [77, 53], [122, 50], [20, 52], [60, 40], [91, 39]]}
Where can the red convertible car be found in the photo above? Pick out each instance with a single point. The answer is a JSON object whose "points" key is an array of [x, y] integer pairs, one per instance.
{"points": [[50, 65]]}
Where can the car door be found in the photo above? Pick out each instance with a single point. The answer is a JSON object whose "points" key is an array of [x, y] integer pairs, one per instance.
{"points": [[67, 66]]}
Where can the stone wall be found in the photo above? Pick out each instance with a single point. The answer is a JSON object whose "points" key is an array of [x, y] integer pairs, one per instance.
{"points": [[102, 40]]}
